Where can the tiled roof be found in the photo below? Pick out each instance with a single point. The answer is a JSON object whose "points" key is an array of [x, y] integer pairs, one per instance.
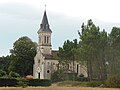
{"points": [[54, 56]]}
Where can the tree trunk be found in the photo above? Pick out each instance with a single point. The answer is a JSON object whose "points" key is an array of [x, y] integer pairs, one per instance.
{"points": [[73, 70], [90, 70]]}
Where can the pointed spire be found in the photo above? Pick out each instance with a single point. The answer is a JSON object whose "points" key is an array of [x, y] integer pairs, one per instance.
{"points": [[44, 26], [45, 20]]}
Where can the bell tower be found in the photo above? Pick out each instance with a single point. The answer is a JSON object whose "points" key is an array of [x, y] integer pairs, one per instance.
{"points": [[44, 36]]}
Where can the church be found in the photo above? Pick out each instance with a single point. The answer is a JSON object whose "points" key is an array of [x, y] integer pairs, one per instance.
{"points": [[46, 59]]}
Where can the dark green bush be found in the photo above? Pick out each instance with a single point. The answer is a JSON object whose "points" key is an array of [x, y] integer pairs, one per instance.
{"points": [[22, 82], [71, 76], [69, 83], [2, 73], [82, 79], [13, 75], [94, 83], [81, 75], [113, 81], [8, 82], [39, 82], [58, 76]]}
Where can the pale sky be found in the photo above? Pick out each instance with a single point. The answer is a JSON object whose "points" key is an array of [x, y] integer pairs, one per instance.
{"points": [[22, 18]]}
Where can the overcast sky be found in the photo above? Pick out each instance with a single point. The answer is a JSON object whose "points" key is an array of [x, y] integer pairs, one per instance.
{"points": [[23, 17]]}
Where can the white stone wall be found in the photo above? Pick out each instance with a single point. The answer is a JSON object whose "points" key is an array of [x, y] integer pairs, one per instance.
{"points": [[47, 67], [46, 49], [41, 39], [38, 66], [50, 67]]}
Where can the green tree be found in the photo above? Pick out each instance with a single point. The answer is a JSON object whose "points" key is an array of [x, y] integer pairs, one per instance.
{"points": [[22, 54], [67, 54], [2, 73], [58, 76], [13, 75], [114, 51], [89, 36], [4, 62], [92, 49]]}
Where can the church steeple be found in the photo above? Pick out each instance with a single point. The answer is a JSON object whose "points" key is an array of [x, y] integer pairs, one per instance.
{"points": [[44, 36], [44, 26]]}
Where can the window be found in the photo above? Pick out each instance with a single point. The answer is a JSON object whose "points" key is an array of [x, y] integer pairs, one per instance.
{"points": [[38, 61], [44, 39], [77, 68], [39, 75], [48, 71], [68, 66], [39, 39], [47, 39]]}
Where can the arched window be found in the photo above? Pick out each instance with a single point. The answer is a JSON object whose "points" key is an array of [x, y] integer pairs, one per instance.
{"points": [[39, 39], [38, 61], [44, 39], [47, 39], [77, 68], [48, 71], [39, 75]]}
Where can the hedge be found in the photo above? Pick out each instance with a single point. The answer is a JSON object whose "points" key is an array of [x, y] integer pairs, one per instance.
{"points": [[8, 82], [82, 79], [95, 83], [22, 81], [39, 82]]}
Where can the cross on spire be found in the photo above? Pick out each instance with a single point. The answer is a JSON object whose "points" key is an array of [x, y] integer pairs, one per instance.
{"points": [[44, 26], [45, 6]]}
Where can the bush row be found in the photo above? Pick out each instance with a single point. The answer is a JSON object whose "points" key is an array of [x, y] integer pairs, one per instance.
{"points": [[82, 79], [8, 82], [39, 82], [24, 81]]}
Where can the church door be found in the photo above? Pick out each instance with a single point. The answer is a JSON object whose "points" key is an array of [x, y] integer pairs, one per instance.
{"points": [[39, 75]]}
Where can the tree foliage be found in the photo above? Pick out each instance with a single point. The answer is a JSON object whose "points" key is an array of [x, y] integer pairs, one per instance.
{"points": [[4, 62], [22, 54], [67, 55], [2, 73], [13, 75], [114, 51], [99, 49], [66, 52]]}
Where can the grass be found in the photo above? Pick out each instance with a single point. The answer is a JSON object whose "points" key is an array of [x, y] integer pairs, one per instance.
{"points": [[66, 85], [56, 88], [71, 83]]}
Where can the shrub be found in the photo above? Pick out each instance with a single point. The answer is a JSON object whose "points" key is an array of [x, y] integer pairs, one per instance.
{"points": [[113, 81], [39, 82], [2, 73], [69, 83], [8, 82], [81, 75], [58, 76], [94, 83], [72, 83], [82, 79], [13, 75], [22, 82]]}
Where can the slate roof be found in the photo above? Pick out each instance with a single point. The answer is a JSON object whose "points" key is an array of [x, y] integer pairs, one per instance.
{"points": [[44, 26]]}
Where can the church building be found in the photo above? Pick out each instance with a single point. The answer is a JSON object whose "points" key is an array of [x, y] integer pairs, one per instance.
{"points": [[46, 59]]}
